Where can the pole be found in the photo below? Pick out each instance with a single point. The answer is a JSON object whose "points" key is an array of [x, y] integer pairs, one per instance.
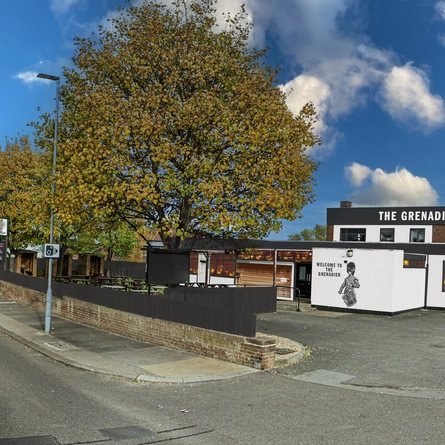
{"points": [[147, 271], [49, 293], [275, 268]]}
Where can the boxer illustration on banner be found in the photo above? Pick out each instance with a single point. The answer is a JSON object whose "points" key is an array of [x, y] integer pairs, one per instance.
{"points": [[349, 285]]}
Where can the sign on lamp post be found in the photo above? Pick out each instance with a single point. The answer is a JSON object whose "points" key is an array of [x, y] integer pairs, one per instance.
{"points": [[3, 241]]}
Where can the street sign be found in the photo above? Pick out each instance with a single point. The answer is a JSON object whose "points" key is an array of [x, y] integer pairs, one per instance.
{"points": [[2, 250], [3, 227], [51, 250]]}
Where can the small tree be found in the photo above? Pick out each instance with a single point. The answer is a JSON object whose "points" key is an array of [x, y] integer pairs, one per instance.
{"points": [[98, 237], [119, 241], [24, 193], [318, 233]]}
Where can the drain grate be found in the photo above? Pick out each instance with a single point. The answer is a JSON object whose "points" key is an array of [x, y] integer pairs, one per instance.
{"points": [[36, 440], [127, 432], [60, 346], [284, 351]]}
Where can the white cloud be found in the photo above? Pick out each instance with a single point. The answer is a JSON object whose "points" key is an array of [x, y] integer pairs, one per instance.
{"points": [[357, 174], [440, 8], [223, 8], [346, 81], [343, 63], [304, 89], [63, 6], [399, 188], [336, 66], [348, 78], [29, 77], [232, 7], [339, 69], [406, 97]]}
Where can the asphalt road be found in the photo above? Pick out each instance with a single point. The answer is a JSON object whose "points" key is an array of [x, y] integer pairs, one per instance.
{"points": [[45, 403]]}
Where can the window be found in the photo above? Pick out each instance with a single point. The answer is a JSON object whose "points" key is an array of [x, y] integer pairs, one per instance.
{"points": [[298, 256], [387, 235], [414, 261], [352, 234], [222, 265], [193, 263], [302, 273], [417, 235]]}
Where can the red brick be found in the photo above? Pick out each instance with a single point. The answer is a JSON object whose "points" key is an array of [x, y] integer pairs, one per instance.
{"points": [[256, 352]]}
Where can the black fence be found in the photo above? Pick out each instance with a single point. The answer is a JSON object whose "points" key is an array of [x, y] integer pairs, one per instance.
{"points": [[255, 300], [116, 268], [126, 269], [230, 310]]}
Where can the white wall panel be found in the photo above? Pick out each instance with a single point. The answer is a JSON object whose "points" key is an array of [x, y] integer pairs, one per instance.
{"points": [[373, 268], [436, 297], [409, 286]]}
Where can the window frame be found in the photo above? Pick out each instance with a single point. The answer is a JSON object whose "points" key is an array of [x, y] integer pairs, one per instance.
{"points": [[347, 233], [390, 230], [416, 231], [414, 261], [443, 276]]}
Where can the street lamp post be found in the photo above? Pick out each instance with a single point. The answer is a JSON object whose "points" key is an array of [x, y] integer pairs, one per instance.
{"points": [[49, 293]]}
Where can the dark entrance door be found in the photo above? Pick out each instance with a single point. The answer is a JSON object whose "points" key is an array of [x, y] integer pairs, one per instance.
{"points": [[303, 278]]}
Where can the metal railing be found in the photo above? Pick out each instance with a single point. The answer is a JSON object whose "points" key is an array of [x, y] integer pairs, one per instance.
{"points": [[298, 297]]}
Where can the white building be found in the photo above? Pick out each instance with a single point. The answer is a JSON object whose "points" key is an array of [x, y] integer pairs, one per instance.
{"points": [[386, 224], [398, 257]]}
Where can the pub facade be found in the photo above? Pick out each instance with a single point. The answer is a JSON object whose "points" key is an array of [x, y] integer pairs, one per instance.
{"points": [[375, 259]]}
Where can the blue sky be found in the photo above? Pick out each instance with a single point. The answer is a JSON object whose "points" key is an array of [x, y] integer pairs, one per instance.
{"points": [[375, 70]]}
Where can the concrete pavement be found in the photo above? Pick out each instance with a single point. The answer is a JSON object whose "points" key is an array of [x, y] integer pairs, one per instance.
{"points": [[97, 351], [403, 355]]}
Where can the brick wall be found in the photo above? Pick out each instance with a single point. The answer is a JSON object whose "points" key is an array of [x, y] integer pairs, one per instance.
{"points": [[255, 352], [438, 234]]}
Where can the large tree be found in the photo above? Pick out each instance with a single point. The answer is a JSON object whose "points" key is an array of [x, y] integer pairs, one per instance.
{"points": [[177, 123]]}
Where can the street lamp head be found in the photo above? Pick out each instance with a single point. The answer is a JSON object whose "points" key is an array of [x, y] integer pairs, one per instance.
{"points": [[48, 76]]}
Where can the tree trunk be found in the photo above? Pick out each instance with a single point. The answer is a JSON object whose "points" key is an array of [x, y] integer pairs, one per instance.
{"points": [[60, 260]]}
